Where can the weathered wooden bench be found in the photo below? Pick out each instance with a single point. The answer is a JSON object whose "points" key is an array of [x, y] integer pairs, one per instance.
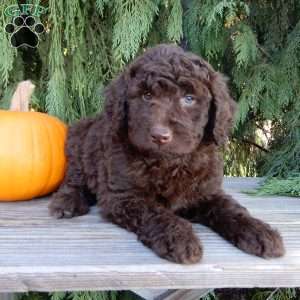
{"points": [[38, 253]]}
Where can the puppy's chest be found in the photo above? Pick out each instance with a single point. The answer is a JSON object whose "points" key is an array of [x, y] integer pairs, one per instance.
{"points": [[171, 184]]}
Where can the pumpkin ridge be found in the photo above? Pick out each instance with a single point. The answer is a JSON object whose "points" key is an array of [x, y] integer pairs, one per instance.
{"points": [[11, 169], [61, 130], [29, 193], [33, 191], [53, 144], [43, 190]]}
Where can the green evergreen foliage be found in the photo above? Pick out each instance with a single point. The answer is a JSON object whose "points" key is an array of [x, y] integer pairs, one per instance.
{"points": [[255, 294], [256, 44], [289, 186], [32, 296], [174, 30], [244, 46], [209, 296], [276, 294], [71, 296]]}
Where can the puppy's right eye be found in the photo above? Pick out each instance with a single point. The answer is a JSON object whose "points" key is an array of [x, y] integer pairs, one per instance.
{"points": [[147, 96]]}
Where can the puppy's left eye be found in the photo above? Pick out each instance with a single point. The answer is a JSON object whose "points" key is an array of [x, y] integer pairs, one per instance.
{"points": [[187, 100], [147, 96]]}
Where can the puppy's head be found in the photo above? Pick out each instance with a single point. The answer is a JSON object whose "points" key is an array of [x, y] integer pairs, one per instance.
{"points": [[169, 101]]}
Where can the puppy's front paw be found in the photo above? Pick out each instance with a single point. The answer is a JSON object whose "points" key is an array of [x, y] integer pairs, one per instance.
{"points": [[177, 242], [65, 205], [185, 250], [258, 238]]}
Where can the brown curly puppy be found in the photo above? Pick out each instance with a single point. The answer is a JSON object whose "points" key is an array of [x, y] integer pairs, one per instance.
{"points": [[151, 159]]}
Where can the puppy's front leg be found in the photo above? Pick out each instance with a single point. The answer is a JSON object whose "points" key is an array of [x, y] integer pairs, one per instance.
{"points": [[168, 235], [233, 221]]}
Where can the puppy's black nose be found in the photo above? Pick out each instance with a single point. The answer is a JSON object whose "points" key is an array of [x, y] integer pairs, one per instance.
{"points": [[161, 135]]}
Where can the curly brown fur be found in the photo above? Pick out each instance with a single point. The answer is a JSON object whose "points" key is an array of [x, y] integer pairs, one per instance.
{"points": [[151, 159]]}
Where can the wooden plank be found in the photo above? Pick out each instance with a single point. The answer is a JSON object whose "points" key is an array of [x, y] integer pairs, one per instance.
{"points": [[7, 296], [242, 183], [39, 253]]}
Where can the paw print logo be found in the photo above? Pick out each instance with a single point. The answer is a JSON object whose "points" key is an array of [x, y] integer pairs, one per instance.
{"points": [[24, 31]]}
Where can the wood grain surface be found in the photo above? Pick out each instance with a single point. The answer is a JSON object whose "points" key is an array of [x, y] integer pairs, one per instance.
{"points": [[38, 253]]}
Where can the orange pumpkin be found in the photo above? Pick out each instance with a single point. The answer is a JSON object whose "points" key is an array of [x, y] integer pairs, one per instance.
{"points": [[32, 160]]}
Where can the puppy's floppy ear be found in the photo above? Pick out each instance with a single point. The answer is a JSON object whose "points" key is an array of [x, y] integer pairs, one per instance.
{"points": [[222, 106], [221, 110], [116, 105]]}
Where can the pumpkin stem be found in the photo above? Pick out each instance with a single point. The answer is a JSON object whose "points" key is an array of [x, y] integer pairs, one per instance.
{"points": [[21, 97]]}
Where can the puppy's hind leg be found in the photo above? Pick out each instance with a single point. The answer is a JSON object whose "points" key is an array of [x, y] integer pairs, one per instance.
{"points": [[71, 198]]}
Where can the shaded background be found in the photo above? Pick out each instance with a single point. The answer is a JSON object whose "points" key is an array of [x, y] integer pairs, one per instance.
{"points": [[255, 43]]}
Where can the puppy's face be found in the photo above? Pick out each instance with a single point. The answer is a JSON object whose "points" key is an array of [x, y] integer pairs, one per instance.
{"points": [[167, 107]]}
